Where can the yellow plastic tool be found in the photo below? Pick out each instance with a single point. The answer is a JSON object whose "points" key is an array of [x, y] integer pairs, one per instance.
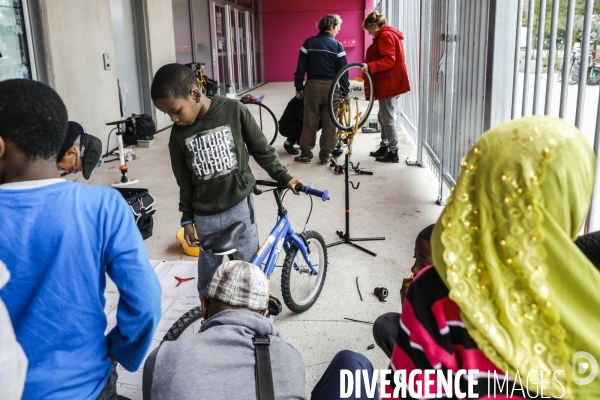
{"points": [[190, 251]]}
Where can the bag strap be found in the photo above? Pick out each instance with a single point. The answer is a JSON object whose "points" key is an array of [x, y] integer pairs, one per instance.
{"points": [[264, 375]]}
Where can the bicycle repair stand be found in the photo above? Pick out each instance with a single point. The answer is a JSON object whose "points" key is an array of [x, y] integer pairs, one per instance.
{"points": [[125, 181], [346, 239]]}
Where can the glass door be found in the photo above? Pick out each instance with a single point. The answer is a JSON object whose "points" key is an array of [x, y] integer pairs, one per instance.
{"points": [[182, 27], [253, 45], [233, 47], [257, 56], [234, 53], [220, 46], [243, 50]]}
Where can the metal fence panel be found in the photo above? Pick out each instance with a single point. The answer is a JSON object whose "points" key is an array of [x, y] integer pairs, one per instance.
{"points": [[455, 92], [409, 24]]}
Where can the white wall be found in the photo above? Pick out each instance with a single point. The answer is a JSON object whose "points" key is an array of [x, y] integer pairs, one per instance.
{"points": [[161, 44], [76, 34]]}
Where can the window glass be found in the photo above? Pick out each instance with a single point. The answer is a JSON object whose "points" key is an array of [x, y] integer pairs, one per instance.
{"points": [[183, 29], [14, 52]]}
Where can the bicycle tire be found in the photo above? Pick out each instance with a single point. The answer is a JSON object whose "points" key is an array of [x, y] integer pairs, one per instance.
{"points": [[183, 323], [596, 78], [316, 243], [259, 122], [362, 101]]}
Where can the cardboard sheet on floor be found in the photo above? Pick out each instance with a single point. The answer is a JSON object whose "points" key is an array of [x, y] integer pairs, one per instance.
{"points": [[176, 300]]}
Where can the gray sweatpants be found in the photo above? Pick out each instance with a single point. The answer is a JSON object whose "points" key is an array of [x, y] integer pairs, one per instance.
{"points": [[248, 244], [389, 135]]}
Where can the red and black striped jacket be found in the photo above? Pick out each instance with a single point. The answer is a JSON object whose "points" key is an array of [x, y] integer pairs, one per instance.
{"points": [[433, 337]]}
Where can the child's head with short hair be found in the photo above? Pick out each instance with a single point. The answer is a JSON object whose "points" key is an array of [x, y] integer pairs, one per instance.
{"points": [[589, 244], [33, 122], [175, 92], [422, 255]]}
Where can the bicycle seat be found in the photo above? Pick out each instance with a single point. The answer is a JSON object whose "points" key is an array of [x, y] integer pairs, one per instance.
{"points": [[224, 241]]}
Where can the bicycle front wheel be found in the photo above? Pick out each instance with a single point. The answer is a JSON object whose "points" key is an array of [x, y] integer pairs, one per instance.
{"points": [[351, 97], [187, 325], [299, 287], [265, 119]]}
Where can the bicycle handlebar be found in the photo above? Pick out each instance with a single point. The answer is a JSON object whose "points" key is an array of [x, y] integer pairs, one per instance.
{"points": [[324, 195]]}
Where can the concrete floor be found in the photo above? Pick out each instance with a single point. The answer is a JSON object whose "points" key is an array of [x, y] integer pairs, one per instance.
{"points": [[396, 202]]}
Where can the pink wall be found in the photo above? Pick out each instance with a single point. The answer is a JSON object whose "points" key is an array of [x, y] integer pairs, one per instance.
{"points": [[286, 24]]}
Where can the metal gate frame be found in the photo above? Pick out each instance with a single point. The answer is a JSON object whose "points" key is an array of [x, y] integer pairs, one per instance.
{"points": [[463, 92]]}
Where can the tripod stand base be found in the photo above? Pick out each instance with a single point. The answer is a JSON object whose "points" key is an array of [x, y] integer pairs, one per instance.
{"points": [[350, 241]]}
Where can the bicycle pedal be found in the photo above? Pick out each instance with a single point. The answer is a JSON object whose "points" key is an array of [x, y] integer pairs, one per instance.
{"points": [[275, 306]]}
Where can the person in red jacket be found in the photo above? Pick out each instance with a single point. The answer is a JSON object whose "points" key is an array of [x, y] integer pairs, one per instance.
{"points": [[386, 62]]}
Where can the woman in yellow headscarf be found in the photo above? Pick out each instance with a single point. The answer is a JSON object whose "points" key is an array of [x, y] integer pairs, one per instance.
{"points": [[517, 294]]}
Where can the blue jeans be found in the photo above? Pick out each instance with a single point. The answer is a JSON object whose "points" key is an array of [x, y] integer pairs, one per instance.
{"points": [[110, 388], [389, 134], [328, 388]]}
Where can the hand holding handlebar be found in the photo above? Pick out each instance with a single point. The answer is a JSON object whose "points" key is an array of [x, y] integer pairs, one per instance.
{"points": [[324, 195], [293, 183]]}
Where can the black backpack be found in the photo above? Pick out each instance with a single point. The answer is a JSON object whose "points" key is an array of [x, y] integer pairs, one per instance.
{"points": [[141, 203], [138, 127]]}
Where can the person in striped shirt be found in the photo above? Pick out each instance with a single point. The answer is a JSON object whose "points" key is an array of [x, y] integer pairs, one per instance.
{"points": [[510, 297], [386, 326]]}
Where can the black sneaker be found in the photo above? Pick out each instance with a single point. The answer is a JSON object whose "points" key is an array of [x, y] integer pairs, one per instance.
{"points": [[290, 149], [303, 159], [391, 156], [382, 151]]}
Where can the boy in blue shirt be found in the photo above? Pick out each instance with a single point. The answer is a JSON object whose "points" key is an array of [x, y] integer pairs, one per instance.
{"points": [[58, 239]]}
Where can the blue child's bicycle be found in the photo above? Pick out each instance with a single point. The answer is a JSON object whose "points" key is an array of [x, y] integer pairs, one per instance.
{"points": [[304, 268]]}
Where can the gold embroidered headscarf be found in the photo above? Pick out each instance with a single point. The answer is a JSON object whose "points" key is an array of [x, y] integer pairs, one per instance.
{"points": [[504, 247]]}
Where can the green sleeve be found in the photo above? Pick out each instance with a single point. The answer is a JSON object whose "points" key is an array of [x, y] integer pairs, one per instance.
{"points": [[258, 147], [183, 176]]}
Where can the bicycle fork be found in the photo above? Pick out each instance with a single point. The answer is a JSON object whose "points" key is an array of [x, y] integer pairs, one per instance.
{"points": [[303, 250]]}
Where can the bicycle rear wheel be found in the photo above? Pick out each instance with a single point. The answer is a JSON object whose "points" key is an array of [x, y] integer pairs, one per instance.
{"points": [[593, 76], [187, 325], [300, 289], [265, 119], [351, 97]]}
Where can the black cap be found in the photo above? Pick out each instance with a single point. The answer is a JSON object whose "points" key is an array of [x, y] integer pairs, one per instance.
{"points": [[92, 150], [90, 145], [73, 130]]}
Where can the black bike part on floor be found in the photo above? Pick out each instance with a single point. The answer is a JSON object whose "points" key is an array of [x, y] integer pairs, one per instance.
{"points": [[288, 269]]}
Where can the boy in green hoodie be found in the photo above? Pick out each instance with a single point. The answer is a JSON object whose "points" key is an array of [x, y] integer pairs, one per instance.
{"points": [[210, 142]]}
